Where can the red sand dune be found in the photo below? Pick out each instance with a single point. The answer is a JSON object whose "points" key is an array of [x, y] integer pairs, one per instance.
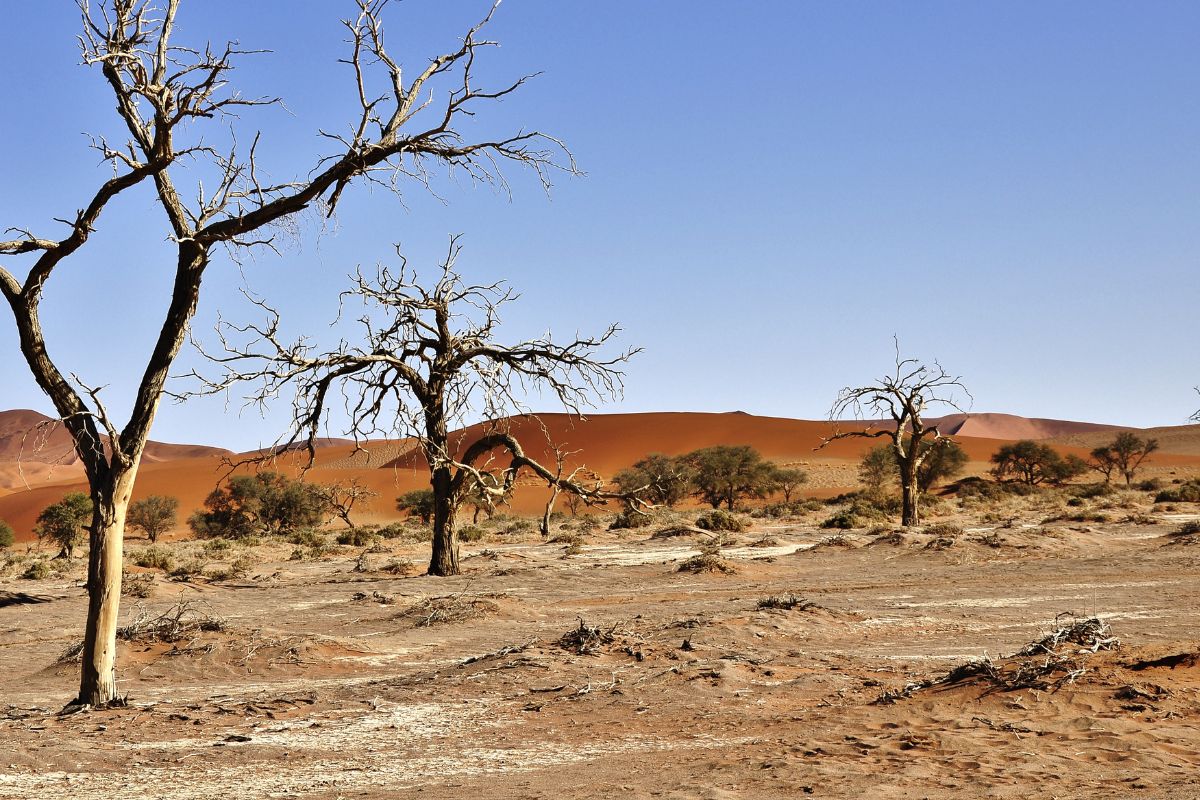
{"points": [[605, 443], [36, 448], [1010, 427]]}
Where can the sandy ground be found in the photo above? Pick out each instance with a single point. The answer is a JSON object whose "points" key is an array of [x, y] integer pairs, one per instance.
{"points": [[326, 682]]}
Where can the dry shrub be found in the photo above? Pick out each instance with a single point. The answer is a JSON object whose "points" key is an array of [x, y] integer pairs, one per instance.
{"points": [[398, 566], [785, 602], [586, 640], [766, 541], [140, 585], [718, 520], [154, 558], [446, 610], [181, 621], [708, 560], [374, 597]]}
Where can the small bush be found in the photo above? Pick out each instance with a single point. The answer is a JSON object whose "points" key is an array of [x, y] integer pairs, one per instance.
{"points": [[1151, 485], [944, 530], [471, 533], [140, 586], [785, 602], [1092, 490], [189, 570], [843, 520], [398, 566], [357, 537], [1190, 528], [630, 519], [214, 546], [1184, 493], [394, 531], [718, 520], [38, 571], [517, 526], [154, 558], [240, 568], [6, 535], [308, 537]]}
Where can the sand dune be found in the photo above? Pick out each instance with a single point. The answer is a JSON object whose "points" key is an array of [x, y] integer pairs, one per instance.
{"points": [[36, 448], [604, 443], [1010, 427], [1182, 440]]}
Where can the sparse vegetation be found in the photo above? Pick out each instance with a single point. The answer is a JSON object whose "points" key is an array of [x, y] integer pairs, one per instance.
{"points": [[721, 520]]}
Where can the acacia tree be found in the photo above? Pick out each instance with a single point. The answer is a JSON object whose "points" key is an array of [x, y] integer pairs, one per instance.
{"points": [[63, 522], [662, 479], [1031, 463], [1124, 455], [428, 363], [726, 474], [153, 515], [896, 404], [176, 102], [788, 480]]}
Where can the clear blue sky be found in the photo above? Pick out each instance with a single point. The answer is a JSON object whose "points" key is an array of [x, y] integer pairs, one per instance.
{"points": [[773, 190]]}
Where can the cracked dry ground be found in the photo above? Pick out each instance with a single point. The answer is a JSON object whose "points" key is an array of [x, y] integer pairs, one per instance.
{"points": [[674, 684]]}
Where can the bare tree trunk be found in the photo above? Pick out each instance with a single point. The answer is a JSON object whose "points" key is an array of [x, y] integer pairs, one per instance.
{"points": [[554, 492], [909, 486], [97, 681], [444, 560]]}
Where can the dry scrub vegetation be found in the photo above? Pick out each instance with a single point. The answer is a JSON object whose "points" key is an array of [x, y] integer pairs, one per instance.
{"points": [[769, 658]]}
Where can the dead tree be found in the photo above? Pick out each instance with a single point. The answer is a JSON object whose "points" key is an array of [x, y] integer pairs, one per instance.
{"points": [[896, 405], [168, 96], [427, 360], [575, 476], [341, 498]]}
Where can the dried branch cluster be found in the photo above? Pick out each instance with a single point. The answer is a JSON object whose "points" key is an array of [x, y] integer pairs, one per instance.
{"points": [[160, 87], [426, 359]]}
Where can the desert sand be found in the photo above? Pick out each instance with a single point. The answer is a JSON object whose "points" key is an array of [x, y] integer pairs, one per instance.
{"points": [[807, 662]]}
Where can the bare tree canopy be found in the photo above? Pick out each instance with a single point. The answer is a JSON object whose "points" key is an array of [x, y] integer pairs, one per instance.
{"points": [[175, 102], [426, 359], [896, 405]]}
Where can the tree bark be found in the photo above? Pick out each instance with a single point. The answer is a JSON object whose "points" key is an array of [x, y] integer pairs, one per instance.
{"points": [[97, 681], [444, 560], [554, 492], [911, 514]]}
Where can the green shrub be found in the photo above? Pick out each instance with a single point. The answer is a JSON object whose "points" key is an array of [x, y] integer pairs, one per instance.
{"points": [[718, 520], [154, 558], [1188, 492], [308, 537], [38, 571], [843, 520], [1093, 490], [1151, 485], [213, 546], [630, 519], [6, 535], [264, 503], [357, 537], [471, 533], [517, 526]]}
